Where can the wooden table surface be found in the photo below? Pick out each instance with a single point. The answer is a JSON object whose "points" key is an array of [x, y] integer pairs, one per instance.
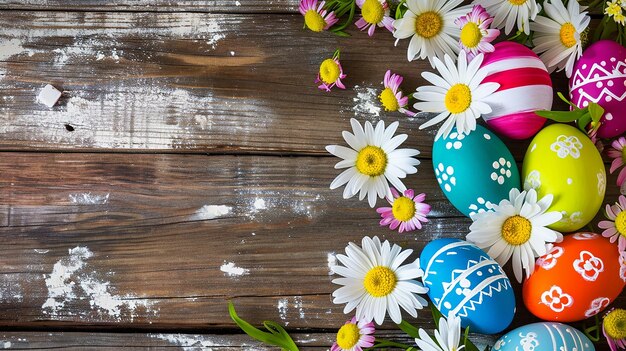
{"points": [[185, 167]]}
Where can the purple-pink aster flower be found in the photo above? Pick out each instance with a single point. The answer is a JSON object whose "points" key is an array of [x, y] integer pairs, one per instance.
{"points": [[331, 73], [618, 156], [615, 227], [316, 18], [391, 97], [374, 13], [354, 336], [614, 328], [407, 211], [476, 36]]}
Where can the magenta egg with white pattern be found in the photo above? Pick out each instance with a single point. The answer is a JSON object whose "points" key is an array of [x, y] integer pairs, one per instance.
{"points": [[600, 76], [525, 87]]}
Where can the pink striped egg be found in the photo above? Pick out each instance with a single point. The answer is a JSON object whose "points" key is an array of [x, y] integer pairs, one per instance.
{"points": [[600, 76], [525, 87]]}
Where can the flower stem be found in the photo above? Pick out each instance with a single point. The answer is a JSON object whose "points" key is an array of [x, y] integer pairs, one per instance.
{"points": [[383, 343]]}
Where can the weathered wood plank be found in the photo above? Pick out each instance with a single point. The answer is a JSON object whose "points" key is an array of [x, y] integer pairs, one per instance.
{"points": [[209, 6], [191, 83], [186, 342], [164, 241]]}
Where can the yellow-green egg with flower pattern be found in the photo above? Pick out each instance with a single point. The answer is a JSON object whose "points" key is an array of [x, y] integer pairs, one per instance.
{"points": [[562, 161], [474, 170]]}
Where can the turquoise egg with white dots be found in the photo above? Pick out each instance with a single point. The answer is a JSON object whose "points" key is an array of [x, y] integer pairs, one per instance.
{"points": [[474, 170], [544, 336]]}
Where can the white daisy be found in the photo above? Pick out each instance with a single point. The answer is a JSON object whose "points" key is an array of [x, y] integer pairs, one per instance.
{"points": [[508, 13], [430, 23], [372, 161], [447, 338], [375, 281], [457, 95], [557, 37], [517, 228]]}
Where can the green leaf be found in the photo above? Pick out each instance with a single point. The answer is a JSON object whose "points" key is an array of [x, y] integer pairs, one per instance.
{"points": [[469, 345], [560, 95], [341, 33], [596, 111], [562, 116], [409, 329], [436, 314], [584, 121], [276, 337]]}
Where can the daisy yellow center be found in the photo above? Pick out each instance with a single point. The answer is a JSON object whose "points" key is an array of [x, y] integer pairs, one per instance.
{"points": [[615, 324], [516, 230], [567, 35], [329, 71], [388, 99], [380, 281], [458, 98], [471, 35], [620, 223], [372, 11], [371, 161], [624, 153], [403, 208], [348, 336], [517, 2], [428, 24], [314, 21]]}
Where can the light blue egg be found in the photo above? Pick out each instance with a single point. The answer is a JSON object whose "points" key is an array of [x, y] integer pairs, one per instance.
{"points": [[463, 279], [474, 170], [542, 336]]}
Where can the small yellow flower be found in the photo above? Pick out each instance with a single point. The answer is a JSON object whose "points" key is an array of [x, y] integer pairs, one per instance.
{"points": [[613, 8], [620, 18]]}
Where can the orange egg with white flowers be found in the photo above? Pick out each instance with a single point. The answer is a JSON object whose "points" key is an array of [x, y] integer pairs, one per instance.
{"points": [[577, 279]]}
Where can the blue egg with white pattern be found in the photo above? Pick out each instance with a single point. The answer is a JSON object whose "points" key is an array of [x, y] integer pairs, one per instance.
{"points": [[474, 170], [544, 336], [463, 279]]}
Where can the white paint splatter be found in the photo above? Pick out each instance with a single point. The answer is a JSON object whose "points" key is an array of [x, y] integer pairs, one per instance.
{"points": [[283, 307], [89, 199], [188, 342], [12, 47], [233, 271], [6, 344], [232, 53], [237, 3], [70, 281], [212, 211], [332, 262], [40, 251], [259, 204], [366, 101], [298, 305]]}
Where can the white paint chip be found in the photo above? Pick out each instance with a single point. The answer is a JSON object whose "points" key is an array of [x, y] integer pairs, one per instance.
{"points": [[187, 342], [212, 211], [366, 101], [237, 3], [7, 344], [298, 305], [41, 251], [259, 204], [233, 271], [89, 199], [332, 262], [49, 95], [71, 282], [283, 307], [232, 53]]}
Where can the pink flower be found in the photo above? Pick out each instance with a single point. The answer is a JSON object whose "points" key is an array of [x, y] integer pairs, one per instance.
{"points": [[615, 227], [374, 13], [407, 211], [331, 73], [391, 97], [616, 152], [315, 17], [476, 36], [354, 336], [614, 330]]}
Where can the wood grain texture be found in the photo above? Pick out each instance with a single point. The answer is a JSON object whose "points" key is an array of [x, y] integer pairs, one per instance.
{"points": [[162, 242], [192, 82], [209, 6], [169, 341]]}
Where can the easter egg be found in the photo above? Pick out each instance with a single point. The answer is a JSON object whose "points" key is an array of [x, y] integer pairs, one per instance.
{"points": [[544, 336], [474, 170], [562, 161], [463, 279], [577, 279], [600, 76], [525, 87]]}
